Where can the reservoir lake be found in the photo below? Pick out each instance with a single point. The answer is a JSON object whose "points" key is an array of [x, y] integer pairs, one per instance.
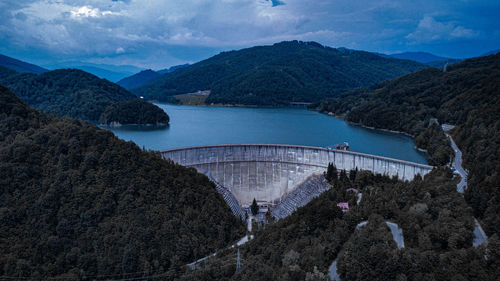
{"points": [[203, 125]]}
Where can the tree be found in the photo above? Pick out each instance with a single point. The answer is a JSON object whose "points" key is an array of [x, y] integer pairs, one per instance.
{"points": [[331, 172], [254, 207], [352, 174]]}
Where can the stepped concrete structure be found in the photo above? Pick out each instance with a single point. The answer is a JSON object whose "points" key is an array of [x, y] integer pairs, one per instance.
{"points": [[269, 173], [302, 195]]}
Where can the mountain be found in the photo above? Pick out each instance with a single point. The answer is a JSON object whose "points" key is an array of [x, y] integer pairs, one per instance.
{"points": [[145, 76], [113, 73], [83, 204], [110, 75], [277, 75], [173, 68], [467, 95], [65, 92], [20, 66], [494, 52], [421, 57], [138, 79], [442, 63]]}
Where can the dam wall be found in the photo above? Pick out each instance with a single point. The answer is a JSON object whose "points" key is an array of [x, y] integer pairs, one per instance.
{"points": [[269, 173]]}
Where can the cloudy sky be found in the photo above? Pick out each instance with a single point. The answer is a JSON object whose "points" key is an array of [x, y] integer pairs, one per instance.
{"points": [[160, 33]]}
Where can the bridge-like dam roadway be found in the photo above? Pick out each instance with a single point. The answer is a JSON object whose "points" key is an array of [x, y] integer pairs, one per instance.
{"points": [[270, 172]]}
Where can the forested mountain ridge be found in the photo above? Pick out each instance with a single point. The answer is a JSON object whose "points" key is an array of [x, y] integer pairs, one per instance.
{"points": [[20, 66], [276, 75], [138, 79], [66, 92], [76, 202], [466, 95]]}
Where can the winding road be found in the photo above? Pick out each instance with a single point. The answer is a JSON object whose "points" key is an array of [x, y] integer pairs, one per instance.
{"points": [[457, 162], [479, 235]]}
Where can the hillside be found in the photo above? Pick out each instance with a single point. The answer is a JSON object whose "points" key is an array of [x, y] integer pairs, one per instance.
{"points": [[421, 57], [436, 224], [135, 112], [110, 72], [277, 75], [20, 66], [65, 92], [138, 79], [466, 95], [78, 203]]}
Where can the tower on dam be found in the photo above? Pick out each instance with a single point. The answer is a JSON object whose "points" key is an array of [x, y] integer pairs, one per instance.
{"points": [[269, 173]]}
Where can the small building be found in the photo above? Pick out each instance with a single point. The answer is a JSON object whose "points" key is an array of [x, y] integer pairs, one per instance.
{"points": [[344, 206]]}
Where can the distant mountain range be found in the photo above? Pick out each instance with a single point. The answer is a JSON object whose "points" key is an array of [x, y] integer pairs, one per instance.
{"points": [[172, 68], [138, 79], [145, 76], [285, 72], [20, 66], [493, 52], [113, 73], [421, 57]]}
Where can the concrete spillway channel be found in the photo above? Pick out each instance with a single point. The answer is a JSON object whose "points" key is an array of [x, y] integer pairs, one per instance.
{"points": [[269, 173]]}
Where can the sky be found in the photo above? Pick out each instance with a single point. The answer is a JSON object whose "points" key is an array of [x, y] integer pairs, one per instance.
{"points": [[160, 33]]}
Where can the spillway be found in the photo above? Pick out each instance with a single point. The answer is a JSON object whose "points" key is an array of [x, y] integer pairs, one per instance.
{"points": [[270, 172]]}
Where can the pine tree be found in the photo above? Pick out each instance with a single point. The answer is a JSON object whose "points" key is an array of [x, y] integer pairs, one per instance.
{"points": [[254, 207], [331, 172]]}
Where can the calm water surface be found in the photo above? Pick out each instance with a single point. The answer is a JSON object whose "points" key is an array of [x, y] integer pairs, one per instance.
{"points": [[198, 125]]}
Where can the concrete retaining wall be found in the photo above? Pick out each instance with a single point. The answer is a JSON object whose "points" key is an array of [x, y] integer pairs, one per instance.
{"points": [[270, 172]]}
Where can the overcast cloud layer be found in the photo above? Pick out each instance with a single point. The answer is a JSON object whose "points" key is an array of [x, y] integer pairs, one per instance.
{"points": [[159, 33]]}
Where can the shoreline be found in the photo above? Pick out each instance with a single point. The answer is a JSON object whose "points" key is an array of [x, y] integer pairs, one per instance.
{"points": [[376, 129], [231, 105]]}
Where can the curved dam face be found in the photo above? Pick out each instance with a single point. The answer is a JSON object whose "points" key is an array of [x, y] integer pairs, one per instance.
{"points": [[269, 173]]}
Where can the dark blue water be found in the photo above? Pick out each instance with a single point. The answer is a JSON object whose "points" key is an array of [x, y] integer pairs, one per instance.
{"points": [[194, 125]]}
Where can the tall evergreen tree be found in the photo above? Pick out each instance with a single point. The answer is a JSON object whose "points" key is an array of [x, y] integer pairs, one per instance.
{"points": [[254, 207], [331, 172]]}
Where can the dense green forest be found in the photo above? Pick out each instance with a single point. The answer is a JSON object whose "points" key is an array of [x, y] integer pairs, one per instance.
{"points": [[466, 95], [279, 74], [78, 203], [134, 112], [138, 79], [436, 223], [68, 93]]}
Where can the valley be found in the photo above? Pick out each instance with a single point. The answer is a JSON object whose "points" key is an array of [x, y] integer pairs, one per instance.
{"points": [[173, 149]]}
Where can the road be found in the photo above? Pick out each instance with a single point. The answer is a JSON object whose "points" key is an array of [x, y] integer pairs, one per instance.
{"points": [[479, 234], [240, 242], [457, 161]]}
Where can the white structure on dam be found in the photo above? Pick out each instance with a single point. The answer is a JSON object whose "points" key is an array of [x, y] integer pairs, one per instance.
{"points": [[269, 173]]}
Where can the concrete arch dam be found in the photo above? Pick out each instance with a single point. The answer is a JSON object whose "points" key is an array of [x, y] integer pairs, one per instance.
{"points": [[270, 172]]}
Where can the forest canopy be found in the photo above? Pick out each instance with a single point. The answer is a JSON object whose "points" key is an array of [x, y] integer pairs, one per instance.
{"points": [[467, 95], [285, 72], [77, 202], [134, 112], [78, 94]]}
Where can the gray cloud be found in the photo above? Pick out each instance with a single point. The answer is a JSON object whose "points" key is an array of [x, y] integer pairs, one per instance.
{"points": [[136, 31]]}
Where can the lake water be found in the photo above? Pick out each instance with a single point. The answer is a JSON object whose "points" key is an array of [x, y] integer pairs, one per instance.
{"points": [[200, 125]]}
